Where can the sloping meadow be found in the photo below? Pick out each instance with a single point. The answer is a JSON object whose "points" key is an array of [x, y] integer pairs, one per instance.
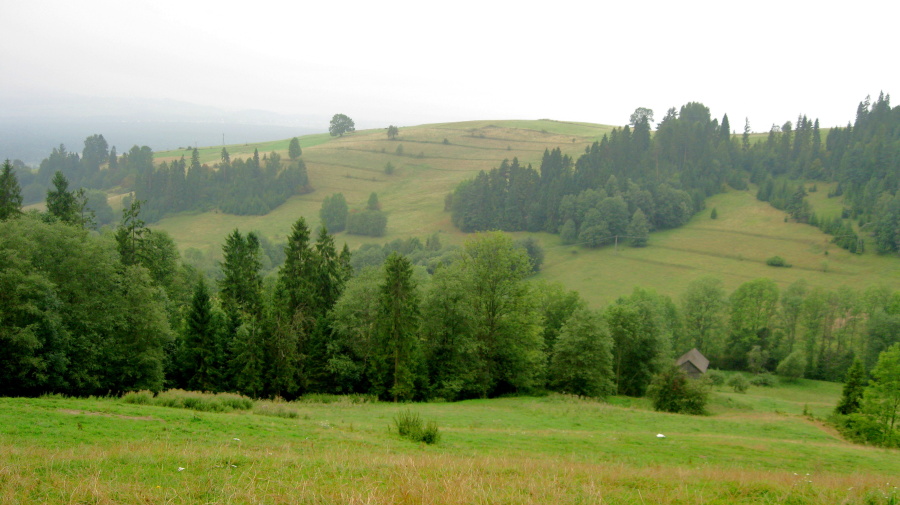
{"points": [[514, 450]]}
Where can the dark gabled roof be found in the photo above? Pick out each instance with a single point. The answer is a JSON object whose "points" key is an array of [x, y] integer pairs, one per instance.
{"points": [[696, 359]]}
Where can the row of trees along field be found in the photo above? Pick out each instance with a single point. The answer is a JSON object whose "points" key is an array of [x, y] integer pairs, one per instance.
{"points": [[631, 181], [244, 187], [473, 327]]}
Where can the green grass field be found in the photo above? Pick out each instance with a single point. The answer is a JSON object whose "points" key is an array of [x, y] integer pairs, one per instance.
{"points": [[733, 247], [753, 448]]}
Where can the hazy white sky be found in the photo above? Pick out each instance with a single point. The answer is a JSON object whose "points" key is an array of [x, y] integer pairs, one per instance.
{"points": [[411, 62]]}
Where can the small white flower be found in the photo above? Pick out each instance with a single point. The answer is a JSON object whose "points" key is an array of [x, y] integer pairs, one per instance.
{"points": [[236, 439], [180, 469], [660, 435]]}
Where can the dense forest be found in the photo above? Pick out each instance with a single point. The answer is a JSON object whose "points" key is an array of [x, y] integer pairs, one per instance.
{"points": [[631, 182]]}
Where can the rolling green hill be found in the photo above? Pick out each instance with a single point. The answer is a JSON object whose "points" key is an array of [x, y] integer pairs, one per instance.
{"points": [[430, 160]]}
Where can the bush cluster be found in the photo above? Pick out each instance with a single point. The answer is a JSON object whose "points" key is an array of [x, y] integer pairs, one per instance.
{"points": [[777, 261], [739, 383], [409, 425], [766, 380], [673, 391]]}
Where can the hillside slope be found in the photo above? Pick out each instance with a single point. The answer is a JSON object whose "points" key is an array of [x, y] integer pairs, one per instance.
{"points": [[430, 160]]}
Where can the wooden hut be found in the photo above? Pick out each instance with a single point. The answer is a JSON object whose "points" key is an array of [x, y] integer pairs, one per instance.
{"points": [[693, 363]]}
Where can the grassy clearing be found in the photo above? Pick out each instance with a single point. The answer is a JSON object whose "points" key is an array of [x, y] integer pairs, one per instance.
{"points": [[515, 450]]}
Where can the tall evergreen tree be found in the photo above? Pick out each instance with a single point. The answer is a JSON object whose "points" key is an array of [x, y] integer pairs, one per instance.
{"points": [[61, 202], [854, 387], [397, 326], [294, 313], [10, 192], [131, 233], [200, 350]]}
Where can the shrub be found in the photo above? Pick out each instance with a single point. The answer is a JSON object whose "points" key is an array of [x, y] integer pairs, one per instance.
{"points": [[739, 383], [763, 380], [715, 377], [793, 366], [777, 261], [389, 168], [409, 425], [673, 391], [431, 434]]}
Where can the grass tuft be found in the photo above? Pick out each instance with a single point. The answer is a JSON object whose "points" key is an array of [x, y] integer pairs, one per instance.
{"points": [[409, 425]]}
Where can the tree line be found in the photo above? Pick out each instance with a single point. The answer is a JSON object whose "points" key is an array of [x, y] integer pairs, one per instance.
{"points": [[243, 187], [251, 186]]}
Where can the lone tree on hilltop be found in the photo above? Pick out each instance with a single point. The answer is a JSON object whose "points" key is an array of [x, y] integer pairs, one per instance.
{"points": [[341, 124], [392, 132]]}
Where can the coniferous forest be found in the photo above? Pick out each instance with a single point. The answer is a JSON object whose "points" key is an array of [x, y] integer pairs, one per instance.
{"points": [[631, 181]]}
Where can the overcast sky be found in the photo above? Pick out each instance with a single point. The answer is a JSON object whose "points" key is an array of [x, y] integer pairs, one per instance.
{"points": [[398, 62]]}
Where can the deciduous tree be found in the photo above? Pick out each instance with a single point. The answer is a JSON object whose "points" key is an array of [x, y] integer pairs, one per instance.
{"points": [[341, 124]]}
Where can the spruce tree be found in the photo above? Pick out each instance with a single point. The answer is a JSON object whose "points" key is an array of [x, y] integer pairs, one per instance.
{"points": [[61, 202], [854, 386], [10, 193], [130, 234], [199, 346], [293, 313], [398, 320]]}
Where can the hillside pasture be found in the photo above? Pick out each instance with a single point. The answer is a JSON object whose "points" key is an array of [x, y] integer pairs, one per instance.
{"points": [[734, 248]]}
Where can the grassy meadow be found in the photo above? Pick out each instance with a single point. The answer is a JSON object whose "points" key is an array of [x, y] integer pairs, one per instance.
{"points": [[753, 448]]}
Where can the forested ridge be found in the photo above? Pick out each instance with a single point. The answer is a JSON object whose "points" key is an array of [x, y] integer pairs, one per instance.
{"points": [[631, 182]]}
